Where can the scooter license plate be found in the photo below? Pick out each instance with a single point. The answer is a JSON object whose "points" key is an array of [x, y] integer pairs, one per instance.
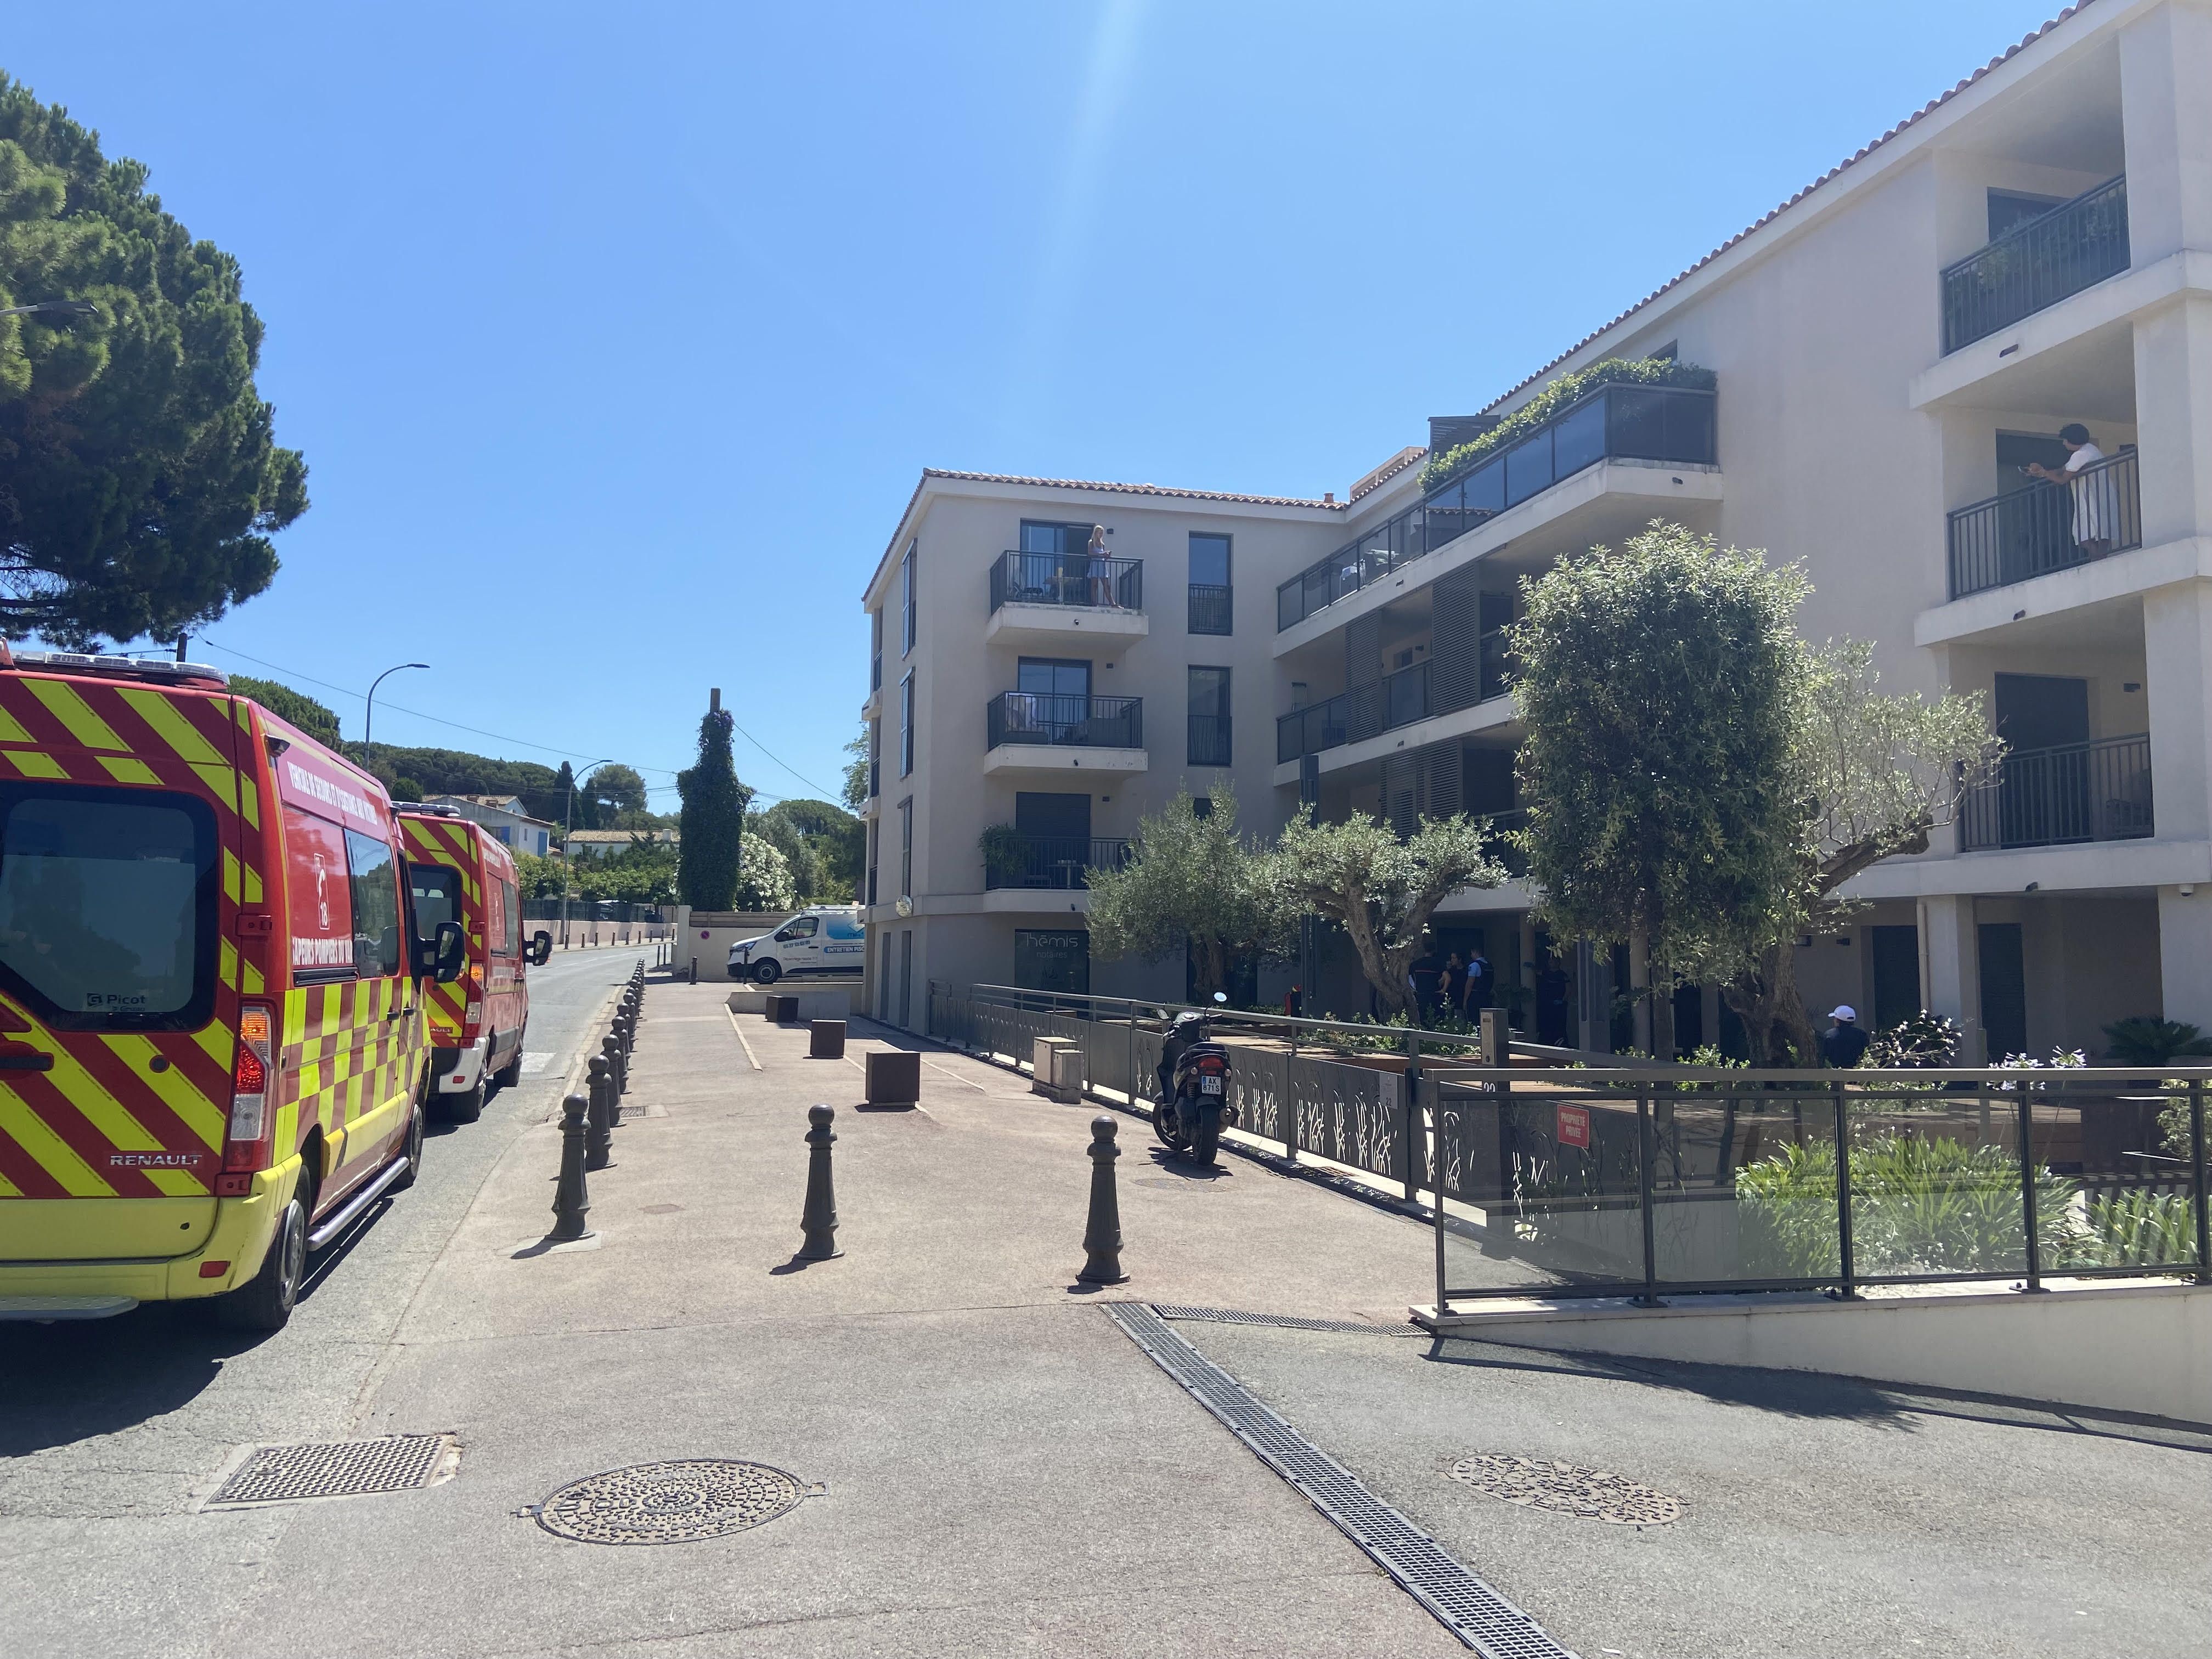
{"points": [[1209, 1086]]}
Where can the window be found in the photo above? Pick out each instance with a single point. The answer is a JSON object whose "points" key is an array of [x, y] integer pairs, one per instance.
{"points": [[875, 651], [1210, 591], [1201, 807], [906, 848], [435, 894], [107, 906], [1053, 677], [1053, 959], [875, 757], [906, 977], [505, 834], [875, 847], [906, 725], [2011, 209], [509, 939], [907, 598], [375, 890], [799, 927], [1209, 717]]}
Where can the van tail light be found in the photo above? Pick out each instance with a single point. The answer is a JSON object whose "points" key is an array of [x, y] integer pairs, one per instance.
{"points": [[247, 1145], [1213, 1066]]}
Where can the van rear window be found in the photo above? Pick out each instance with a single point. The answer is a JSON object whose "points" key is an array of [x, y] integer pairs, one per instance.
{"points": [[435, 892], [107, 906]]}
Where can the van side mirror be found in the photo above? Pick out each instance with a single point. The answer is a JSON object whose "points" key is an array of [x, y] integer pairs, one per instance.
{"points": [[448, 952], [541, 948]]}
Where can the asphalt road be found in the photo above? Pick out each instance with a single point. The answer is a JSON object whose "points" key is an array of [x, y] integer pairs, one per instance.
{"points": [[110, 1430]]}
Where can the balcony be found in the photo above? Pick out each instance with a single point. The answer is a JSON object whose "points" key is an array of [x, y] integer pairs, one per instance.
{"points": [[1036, 732], [1439, 686], [1210, 608], [1059, 600], [2014, 538], [2035, 265], [2079, 791], [1616, 422], [1056, 864]]}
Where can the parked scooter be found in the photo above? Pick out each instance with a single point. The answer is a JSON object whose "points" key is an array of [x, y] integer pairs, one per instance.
{"points": [[1193, 1079]]}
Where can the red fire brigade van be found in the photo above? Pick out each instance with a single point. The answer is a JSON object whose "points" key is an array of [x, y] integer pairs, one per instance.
{"points": [[458, 871], [213, 1033]]}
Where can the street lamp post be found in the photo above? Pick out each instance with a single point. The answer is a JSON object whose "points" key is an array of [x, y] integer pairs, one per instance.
{"points": [[368, 720], [567, 829]]}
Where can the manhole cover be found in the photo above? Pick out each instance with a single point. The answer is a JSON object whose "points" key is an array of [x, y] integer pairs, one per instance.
{"points": [[678, 1503], [1541, 1484], [338, 1469]]}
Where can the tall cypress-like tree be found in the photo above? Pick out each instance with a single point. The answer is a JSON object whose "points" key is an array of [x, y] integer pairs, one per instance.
{"points": [[713, 817]]}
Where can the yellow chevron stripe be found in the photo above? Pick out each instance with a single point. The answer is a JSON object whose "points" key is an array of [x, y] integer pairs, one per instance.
{"points": [[251, 981], [125, 769], [8, 1188], [101, 1108], [202, 1116], [221, 782], [76, 713], [171, 726], [227, 958], [48, 1150], [230, 884], [11, 729], [35, 763], [218, 1043], [254, 893]]}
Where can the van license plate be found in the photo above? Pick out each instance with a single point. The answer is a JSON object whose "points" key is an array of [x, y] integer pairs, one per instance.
{"points": [[1209, 1086]]}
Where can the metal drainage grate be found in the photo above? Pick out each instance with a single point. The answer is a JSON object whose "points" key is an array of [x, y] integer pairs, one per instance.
{"points": [[1466, 1607], [337, 1468], [676, 1502], [1539, 1483], [1282, 1321]]}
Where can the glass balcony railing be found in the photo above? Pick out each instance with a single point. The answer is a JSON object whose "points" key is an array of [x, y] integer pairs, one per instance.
{"points": [[2047, 526], [1613, 422], [1398, 699], [2036, 264], [2077, 792], [1056, 863], [1030, 717], [1069, 579]]}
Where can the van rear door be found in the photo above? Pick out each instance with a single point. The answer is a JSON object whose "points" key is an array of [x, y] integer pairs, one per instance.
{"points": [[119, 868]]}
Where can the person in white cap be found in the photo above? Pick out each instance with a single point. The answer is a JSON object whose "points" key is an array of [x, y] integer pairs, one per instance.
{"points": [[1843, 1043]]}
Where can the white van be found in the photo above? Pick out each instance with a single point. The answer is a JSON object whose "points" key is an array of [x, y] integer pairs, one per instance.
{"points": [[823, 939]]}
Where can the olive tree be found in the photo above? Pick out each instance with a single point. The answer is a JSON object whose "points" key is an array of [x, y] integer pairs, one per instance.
{"points": [[1663, 688], [1380, 889], [1878, 773], [1192, 882]]}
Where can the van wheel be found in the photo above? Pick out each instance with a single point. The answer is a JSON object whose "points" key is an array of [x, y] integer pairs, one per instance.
{"points": [[468, 1107], [414, 1150], [510, 1074], [766, 973], [266, 1302]]}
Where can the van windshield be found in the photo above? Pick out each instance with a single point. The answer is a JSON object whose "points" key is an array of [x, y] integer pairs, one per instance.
{"points": [[107, 906]]}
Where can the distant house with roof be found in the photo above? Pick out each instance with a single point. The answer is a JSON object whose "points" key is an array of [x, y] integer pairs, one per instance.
{"points": [[604, 843], [503, 816]]}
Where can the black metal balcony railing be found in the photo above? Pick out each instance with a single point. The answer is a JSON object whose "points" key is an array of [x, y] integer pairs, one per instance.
{"points": [[872, 883], [1057, 863], [2037, 264], [2099, 791], [1020, 717], [1383, 705], [1210, 608], [2011, 537], [1209, 741], [1071, 578], [1613, 422]]}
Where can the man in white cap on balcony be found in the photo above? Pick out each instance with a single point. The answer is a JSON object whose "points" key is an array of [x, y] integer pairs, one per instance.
{"points": [[1843, 1043]]}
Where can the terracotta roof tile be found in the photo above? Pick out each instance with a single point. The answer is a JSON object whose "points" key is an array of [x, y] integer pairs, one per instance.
{"points": [[1131, 489], [1920, 115]]}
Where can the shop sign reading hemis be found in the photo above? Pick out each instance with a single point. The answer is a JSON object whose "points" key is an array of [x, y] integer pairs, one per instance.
{"points": [[1573, 1127]]}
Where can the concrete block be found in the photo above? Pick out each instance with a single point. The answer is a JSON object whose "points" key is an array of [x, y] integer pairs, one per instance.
{"points": [[893, 1078], [814, 1002], [826, 1040]]}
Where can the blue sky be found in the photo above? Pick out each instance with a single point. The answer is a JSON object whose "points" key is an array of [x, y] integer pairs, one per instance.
{"points": [[616, 337]]}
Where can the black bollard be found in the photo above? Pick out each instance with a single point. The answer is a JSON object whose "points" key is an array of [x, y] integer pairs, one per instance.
{"points": [[1101, 1235], [818, 1221], [572, 1200], [695, 971], [611, 1046], [598, 1136]]}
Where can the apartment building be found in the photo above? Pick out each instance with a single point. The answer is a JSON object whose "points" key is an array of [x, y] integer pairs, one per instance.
{"points": [[1859, 381]]}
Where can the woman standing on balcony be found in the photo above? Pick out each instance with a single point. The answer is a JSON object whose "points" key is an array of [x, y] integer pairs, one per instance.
{"points": [[1101, 569], [2093, 517]]}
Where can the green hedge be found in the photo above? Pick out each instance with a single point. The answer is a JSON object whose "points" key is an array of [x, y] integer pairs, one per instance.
{"points": [[1633, 371]]}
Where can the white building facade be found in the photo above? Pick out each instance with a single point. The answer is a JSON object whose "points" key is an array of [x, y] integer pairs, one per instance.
{"points": [[1857, 383]]}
